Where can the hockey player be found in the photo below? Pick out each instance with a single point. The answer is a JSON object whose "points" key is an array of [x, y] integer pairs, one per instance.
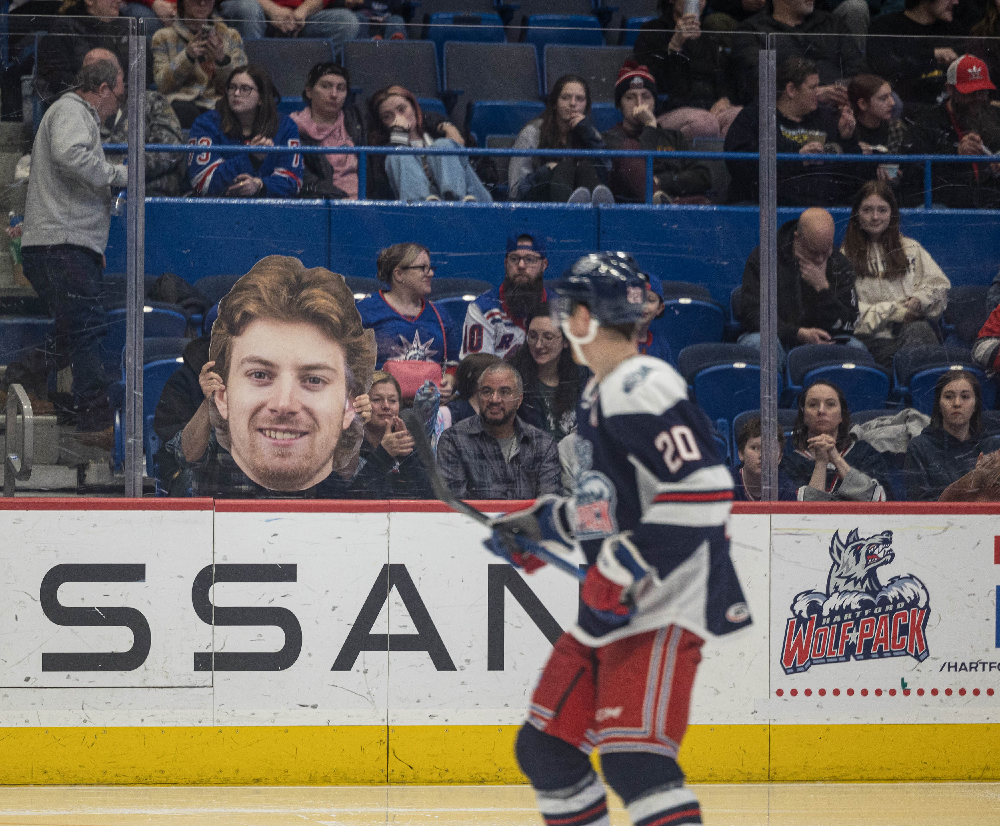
{"points": [[650, 508]]}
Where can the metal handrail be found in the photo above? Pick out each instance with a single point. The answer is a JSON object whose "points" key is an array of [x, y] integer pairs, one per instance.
{"points": [[650, 155], [18, 465]]}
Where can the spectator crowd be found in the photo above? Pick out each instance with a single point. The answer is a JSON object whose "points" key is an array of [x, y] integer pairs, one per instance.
{"points": [[498, 393]]}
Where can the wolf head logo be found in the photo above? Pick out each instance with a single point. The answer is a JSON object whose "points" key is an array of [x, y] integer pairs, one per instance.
{"points": [[856, 561]]}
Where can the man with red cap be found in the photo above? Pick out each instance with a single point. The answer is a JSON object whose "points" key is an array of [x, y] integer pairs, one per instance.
{"points": [[963, 124], [686, 181]]}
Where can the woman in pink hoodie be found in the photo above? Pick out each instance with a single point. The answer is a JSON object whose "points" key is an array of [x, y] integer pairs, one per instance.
{"points": [[326, 122]]}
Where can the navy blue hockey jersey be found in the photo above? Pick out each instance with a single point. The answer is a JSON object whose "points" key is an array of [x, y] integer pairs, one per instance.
{"points": [[430, 336], [646, 464], [212, 173]]}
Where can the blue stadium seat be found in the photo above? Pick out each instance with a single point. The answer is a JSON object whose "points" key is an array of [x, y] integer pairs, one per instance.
{"points": [[455, 306], [966, 314], [605, 115], [863, 386], [598, 65], [724, 378], [375, 64], [157, 322], [463, 27], [154, 378], [288, 60], [363, 287], [852, 369], [917, 369], [489, 71], [501, 117], [458, 288], [567, 30], [630, 33], [686, 321]]}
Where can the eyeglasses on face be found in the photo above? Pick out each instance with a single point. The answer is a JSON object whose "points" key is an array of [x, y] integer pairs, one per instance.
{"points": [[424, 268], [241, 89], [505, 393], [526, 260]]}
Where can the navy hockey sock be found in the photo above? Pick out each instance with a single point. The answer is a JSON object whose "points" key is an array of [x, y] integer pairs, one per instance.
{"points": [[652, 788], [584, 803], [666, 806]]}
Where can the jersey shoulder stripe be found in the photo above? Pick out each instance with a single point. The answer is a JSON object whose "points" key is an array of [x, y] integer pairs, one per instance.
{"points": [[644, 385]]}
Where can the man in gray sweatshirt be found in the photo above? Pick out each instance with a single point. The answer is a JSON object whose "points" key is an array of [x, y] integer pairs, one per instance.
{"points": [[67, 217]]}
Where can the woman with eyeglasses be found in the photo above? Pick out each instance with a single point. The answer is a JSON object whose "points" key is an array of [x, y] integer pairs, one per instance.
{"points": [[326, 121], [408, 326], [396, 119], [246, 115], [552, 381], [193, 59]]}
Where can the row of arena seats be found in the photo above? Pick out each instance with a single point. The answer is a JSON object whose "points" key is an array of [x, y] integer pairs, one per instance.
{"points": [[493, 88]]}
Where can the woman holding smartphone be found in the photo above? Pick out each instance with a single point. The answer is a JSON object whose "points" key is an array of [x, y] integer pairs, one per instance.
{"points": [[194, 58]]}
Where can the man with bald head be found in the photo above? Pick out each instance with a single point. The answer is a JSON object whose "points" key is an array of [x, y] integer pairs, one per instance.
{"points": [[817, 303], [67, 217]]}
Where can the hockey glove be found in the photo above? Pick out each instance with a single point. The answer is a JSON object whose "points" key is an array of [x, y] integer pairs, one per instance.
{"points": [[508, 546], [544, 522], [608, 588]]}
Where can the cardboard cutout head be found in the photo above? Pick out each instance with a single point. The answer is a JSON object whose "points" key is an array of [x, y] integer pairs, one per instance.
{"points": [[290, 349]]}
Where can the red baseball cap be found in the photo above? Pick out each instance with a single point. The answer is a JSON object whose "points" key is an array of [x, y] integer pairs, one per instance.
{"points": [[969, 74]]}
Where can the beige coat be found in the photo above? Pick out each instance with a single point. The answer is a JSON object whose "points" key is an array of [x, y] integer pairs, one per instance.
{"points": [[880, 300], [180, 79]]}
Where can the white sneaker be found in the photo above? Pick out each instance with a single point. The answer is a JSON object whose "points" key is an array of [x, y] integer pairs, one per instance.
{"points": [[602, 195], [581, 195]]}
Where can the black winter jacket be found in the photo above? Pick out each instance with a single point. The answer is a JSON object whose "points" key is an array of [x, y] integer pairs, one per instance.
{"points": [[799, 305], [935, 459]]}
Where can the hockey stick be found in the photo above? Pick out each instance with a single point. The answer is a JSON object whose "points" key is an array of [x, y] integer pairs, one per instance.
{"points": [[444, 494]]}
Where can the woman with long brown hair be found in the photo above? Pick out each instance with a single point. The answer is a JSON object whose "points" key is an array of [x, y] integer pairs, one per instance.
{"points": [[901, 290], [829, 462], [395, 118], [565, 124], [951, 446], [246, 115]]}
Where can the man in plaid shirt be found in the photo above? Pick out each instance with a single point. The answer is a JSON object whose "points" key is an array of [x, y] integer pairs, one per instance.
{"points": [[494, 455]]}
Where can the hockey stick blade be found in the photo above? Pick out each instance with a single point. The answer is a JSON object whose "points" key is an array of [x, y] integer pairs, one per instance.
{"points": [[444, 494]]}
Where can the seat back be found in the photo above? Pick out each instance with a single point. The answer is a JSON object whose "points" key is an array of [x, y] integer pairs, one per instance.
{"points": [[922, 384], [626, 10], [687, 321], [598, 65], [726, 390], [912, 360], [463, 27], [863, 387], [531, 8], [288, 60], [501, 117], [605, 116], [573, 30], [807, 357], [698, 357], [629, 29], [967, 312], [489, 71], [452, 287], [375, 64]]}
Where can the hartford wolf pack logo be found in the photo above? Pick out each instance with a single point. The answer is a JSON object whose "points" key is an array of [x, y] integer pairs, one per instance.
{"points": [[857, 617]]}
